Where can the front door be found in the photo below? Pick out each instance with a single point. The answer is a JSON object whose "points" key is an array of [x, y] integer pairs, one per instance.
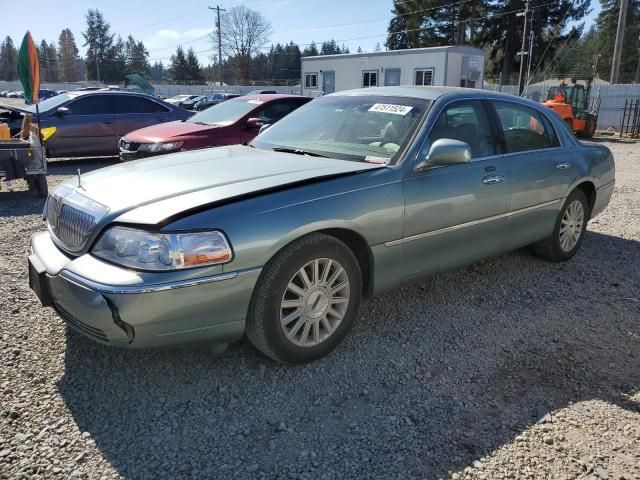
{"points": [[87, 129], [392, 77], [328, 81], [456, 214]]}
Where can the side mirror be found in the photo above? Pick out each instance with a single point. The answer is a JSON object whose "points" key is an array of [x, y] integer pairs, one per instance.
{"points": [[254, 123], [264, 127], [445, 151], [63, 112]]}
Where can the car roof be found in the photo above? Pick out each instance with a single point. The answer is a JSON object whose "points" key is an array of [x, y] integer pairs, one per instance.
{"points": [[267, 97], [434, 93], [425, 93]]}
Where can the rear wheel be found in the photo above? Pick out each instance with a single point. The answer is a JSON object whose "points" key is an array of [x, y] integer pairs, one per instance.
{"points": [[568, 233], [306, 300], [589, 128], [38, 185]]}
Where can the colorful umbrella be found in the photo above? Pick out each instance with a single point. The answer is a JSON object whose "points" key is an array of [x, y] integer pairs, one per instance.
{"points": [[29, 69]]}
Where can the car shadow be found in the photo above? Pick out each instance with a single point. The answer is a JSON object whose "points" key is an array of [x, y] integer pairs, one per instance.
{"points": [[435, 375]]}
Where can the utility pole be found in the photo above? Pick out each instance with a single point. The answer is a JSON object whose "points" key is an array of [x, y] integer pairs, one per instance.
{"points": [[219, 29], [617, 50], [524, 50]]}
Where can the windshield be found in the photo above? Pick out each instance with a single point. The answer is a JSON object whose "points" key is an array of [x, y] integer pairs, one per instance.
{"points": [[51, 103], [355, 127], [226, 113]]}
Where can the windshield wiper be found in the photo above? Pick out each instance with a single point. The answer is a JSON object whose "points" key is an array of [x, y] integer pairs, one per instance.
{"points": [[299, 151]]}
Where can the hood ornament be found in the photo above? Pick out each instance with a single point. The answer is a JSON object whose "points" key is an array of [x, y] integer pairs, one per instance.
{"points": [[80, 180]]}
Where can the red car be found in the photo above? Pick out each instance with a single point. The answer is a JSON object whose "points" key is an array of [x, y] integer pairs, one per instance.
{"points": [[233, 122]]}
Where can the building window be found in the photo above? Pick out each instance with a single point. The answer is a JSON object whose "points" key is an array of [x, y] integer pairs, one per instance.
{"points": [[370, 78], [310, 80], [424, 77]]}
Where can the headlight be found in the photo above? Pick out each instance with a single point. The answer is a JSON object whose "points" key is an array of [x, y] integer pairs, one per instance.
{"points": [[160, 147], [162, 251]]}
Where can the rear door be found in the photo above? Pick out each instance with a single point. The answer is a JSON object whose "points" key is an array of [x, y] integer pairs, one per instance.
{"points": [[88, 129], [133, 112], [541, 171]]}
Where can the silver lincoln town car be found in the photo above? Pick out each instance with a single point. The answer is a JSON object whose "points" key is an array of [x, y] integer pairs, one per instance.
{"points": [[350, 195]]}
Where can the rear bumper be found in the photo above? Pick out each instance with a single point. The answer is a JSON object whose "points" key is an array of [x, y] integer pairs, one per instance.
{"points": [[208, 309]]}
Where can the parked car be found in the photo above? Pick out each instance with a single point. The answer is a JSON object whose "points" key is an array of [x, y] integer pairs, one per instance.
{"points": [[15, 94], [262, 92], [90, 123], [178, 100], [3, 93], [191, 103], [214, 99], [350, 195], [232, 122]]}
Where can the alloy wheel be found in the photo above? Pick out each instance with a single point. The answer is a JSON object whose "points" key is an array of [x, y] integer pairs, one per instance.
{"points": [[571, 225], [314, 302]]}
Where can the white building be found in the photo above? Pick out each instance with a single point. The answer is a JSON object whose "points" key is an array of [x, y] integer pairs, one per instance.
{"points": [[457, 66]]}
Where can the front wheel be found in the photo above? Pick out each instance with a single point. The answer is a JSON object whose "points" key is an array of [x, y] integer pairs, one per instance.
{"points": [[568, 233], [306, 300]]}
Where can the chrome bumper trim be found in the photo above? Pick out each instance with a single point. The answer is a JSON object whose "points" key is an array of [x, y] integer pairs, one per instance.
{"points": [[133, 289], [512, 213]]}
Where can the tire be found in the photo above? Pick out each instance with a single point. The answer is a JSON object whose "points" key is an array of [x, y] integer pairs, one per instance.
{"points": [[310, 309], [589, 128], [560, 246], [38, 185]]}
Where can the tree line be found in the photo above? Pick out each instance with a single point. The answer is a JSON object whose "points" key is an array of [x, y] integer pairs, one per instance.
{"points": [[560, 45]]}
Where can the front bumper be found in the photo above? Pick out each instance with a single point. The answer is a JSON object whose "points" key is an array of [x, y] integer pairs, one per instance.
{"points": [[210, 309]]}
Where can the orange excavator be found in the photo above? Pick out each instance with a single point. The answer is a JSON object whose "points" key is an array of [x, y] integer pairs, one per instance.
{"points": [[575, 106]]}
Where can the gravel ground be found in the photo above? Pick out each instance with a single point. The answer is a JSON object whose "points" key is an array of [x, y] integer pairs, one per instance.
{"points": [[510, 368]]}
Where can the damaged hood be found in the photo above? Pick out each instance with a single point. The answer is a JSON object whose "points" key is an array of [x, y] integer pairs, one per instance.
{"points": [[151, 190]]}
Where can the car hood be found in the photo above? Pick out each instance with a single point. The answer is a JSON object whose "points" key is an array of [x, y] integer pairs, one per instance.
{"points": [[165, 132], [151, 190]]}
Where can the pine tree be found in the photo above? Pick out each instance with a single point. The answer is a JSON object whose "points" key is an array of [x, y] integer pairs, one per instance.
{"points": [[42, 56], [68, 55], [311, 50], [194, 71], [157, 71], [178, 67], [8, 60], [99, 41], [607, 24]]}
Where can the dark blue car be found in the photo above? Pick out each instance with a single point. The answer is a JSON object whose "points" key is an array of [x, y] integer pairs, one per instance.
{"points": [[91, 123]]}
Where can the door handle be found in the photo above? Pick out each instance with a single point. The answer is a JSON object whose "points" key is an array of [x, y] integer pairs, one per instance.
{"points": [[493, 179], [562, 165]]}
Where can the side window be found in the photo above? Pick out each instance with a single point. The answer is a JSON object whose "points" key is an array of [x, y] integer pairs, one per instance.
{"points": [[468, 122], [276, 111], [90, 105], [524, 128], [134, 104], [370, 78]]}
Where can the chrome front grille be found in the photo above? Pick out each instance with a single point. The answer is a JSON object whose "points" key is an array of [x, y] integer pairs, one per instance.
{"points": [[70, 218], [73, 226]]}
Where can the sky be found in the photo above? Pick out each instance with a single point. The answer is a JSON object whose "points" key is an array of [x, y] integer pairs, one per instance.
{"points": [[164, 24]]}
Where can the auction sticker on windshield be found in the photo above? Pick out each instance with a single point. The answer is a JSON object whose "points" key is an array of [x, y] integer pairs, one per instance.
{"points": [[390, 108]]}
